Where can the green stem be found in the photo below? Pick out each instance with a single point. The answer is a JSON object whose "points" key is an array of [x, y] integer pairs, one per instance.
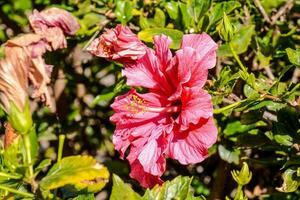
{"points": [[11, 190], [60, 147], [10, 176], [236, 57], [220, 110], [238, 193], [26, 139]]}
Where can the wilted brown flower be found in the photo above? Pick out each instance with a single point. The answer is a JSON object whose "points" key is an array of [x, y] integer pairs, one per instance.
{"points": [[53, 23], [13, 85], [26, 52]]}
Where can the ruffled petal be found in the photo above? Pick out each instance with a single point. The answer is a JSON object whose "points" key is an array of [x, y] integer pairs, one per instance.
{"points": [[191, 146], [151, 156], [162, 51], [145, 179], [146, 73], [205, 47], [196, 104], [190, 71]]}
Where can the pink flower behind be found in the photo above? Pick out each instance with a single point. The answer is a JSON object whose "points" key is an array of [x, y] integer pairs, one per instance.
{"points": [[118, 44], [174, 119]]}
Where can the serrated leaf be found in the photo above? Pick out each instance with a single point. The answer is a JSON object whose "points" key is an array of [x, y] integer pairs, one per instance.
{"points": [[176, 35], [121, 190], [294, 56], [240, 42], [74, 170]]}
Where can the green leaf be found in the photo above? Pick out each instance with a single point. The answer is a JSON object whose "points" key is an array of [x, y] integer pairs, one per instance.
{"points": [[197, 8], [285, 140], [186, 17], [84, 197], [74, 170], [230, 156], [177, 189], [159, 18], [240, 42], [123, 11], [45, 163], [294, 56], [172, 10], [121, 190], [236, 127], [220, 8], [176, 35], [290, 184]]}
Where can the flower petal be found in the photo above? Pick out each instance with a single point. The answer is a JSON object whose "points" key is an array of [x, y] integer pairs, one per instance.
{"points": [[146, 73], [196, 104], [151, 156], [145, 179], [190, 71], [191, 146], [162, 51], [205, 47]]}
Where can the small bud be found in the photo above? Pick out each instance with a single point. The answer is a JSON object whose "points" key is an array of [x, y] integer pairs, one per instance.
{"points": [[226, 29], [21, 121], [243, 176]]}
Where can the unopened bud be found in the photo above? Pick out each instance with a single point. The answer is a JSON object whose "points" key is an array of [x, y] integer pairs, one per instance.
{"points": [[21, 121], [243, 176], [225, 29]]}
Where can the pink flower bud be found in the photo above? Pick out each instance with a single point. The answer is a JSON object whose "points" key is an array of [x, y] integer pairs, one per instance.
{"points": [[119, 44]]}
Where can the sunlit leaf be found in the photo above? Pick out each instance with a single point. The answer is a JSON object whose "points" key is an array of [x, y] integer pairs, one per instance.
{"points": [[74, 170], [176, 35]]}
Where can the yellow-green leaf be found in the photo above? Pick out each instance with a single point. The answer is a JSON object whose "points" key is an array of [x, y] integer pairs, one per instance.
{"points": [[176, 35], [74, 170]]}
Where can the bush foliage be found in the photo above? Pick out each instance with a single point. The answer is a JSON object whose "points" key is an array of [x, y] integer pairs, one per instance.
{"points": [[254, 87]]}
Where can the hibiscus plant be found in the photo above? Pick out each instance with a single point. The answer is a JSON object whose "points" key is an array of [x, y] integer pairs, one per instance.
{"points": [[142, 100]]}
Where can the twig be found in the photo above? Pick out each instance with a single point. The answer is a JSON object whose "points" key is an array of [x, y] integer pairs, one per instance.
{"points": [[284, 9], [262, 10], [247, 20], [296, 75], [91, 40], [269, 72]]}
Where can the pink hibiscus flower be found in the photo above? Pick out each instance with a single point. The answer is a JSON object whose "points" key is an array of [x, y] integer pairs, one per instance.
{"points": [[118, 44], [175, 118]]}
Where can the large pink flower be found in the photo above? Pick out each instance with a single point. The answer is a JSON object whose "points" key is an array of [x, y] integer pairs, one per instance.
{"points": [[175, 118], [118, 44]]}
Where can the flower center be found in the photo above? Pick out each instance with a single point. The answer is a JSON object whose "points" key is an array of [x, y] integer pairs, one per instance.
{"points": [[137, 105], [107, 50]]}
